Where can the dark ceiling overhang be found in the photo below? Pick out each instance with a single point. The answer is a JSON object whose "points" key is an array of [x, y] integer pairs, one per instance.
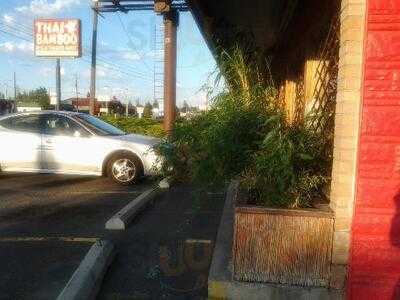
{"points": [[272, 25], [221, 21], [286, 32]]}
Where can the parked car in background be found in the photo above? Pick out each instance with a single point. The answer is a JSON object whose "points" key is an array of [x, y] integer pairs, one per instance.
{"points": [[73, 143]]}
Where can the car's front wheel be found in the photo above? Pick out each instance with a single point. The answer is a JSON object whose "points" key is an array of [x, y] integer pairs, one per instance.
{"points": [[125, 169]]}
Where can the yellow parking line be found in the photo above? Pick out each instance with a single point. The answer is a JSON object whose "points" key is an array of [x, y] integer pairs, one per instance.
{"points": [[192, 241], [105, 192], [49, 239]]}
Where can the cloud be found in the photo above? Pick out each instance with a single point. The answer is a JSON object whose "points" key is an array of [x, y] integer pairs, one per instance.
{"points": [[8, 18], [131, 56], [16, 47], [46, 8], [107, 48], [101, 72], [155, 54], [197, 99], [46, 71], [51, 72], [7, 47]]}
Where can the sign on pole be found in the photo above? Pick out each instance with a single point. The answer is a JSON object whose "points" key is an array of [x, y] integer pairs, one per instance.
{"points": [[58, 38]]}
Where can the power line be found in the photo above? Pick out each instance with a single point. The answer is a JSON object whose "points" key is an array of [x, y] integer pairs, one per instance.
{"points": [[131, 42], [16, 33], [118, 70], [105, 63], [15, 28], [28, 28]]}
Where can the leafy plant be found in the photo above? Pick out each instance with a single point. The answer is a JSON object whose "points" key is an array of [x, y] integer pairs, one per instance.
{"points": [[214, 146], [288, 169], [38, 97], [147, 112], [246, 135], [145, 126]]}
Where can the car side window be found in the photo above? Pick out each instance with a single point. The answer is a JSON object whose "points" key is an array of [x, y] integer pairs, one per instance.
{"points": [[25, 123], [60, 125]]}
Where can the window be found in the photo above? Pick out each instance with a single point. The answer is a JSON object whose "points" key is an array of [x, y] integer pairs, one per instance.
{"points": [[25, 123], [59, 125], [98, 126]]}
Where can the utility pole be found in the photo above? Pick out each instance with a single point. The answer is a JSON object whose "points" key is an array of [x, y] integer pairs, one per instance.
{"points": [[171, 21], [170, 10], [58, 83], [76, 89], [127, 103], [15, 92], [94, 57]]}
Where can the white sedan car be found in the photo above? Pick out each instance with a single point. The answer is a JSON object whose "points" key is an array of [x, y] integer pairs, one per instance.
{"points": [[73, 143]]}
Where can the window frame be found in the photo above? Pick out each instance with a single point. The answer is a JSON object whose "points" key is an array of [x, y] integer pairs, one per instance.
{"points": [[83, 131], [82, 119], [12, 127]]}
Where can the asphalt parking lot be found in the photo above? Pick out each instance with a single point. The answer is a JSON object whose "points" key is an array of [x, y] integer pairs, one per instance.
{"points": [[48, 223]]}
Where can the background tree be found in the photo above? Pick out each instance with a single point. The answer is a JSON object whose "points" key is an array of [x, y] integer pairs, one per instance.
{"points": [[116, 107], [132, 111], [185, 107], [38, 97], [155, 104], [147, 112]]}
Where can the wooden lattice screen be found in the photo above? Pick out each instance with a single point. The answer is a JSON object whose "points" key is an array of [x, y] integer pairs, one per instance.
{"points": [[315, 90], [313, 94], [326, 78], [323, 105]]}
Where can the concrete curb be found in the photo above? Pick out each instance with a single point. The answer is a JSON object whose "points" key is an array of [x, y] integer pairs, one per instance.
{"points": [[166, 183], [121, 219], [220, 269], [86, 281]]}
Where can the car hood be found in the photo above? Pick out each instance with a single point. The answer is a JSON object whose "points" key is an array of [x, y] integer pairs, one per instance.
{"points": [[138, 139]]}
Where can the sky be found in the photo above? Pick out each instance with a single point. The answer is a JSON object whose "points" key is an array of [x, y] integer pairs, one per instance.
{"points": [[126, 53]]}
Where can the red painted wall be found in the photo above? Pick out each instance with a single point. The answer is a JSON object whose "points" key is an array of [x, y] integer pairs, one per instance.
{"points": [[375, 251]]}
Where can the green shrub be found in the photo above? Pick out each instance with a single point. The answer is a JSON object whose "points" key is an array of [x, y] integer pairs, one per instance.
{"points": [[145, 126], [288, 170], [214, 146], [246, 135]]}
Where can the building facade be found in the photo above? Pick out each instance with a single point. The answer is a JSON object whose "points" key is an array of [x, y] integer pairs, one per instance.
{"points": [[365, 187]]}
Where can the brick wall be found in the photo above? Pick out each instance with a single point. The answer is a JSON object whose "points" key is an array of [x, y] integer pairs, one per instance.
{"points": [[347, 126], [375, 247]]}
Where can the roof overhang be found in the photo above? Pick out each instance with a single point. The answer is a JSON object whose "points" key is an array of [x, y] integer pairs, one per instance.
{"points": [[222, 21]]}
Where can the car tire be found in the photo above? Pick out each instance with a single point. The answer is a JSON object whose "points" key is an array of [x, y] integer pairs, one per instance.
{"points": [[125, 168]]}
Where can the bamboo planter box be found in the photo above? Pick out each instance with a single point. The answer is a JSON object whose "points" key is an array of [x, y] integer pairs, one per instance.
{"points": [[282, 246]]}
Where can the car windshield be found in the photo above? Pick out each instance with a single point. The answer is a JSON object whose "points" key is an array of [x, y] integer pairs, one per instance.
{"points": [[98, 126]]}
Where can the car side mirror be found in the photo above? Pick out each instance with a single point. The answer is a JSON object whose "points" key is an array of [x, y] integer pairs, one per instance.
{"points": [[77, 134]]}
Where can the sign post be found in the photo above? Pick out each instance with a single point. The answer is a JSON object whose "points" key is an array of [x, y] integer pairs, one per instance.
{"points": [[57, 38], [94, 60], [58, 83]]}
